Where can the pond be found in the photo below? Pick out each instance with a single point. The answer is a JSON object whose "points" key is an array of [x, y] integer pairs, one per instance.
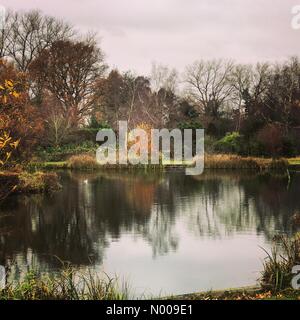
{"points": [[164, 233]]}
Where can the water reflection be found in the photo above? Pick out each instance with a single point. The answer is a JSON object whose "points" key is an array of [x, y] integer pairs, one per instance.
{"points": [[165, 212]]}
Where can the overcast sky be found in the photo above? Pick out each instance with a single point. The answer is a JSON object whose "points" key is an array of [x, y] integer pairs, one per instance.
{"points": [[135, 33]]}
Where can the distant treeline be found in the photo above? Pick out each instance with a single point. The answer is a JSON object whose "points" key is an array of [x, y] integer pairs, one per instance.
{"points": [[64, 86]]}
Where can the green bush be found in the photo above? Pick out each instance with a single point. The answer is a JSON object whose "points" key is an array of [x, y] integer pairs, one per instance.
{"points": [[190, 125], [231, 143], [95, 124], [63, 152]]}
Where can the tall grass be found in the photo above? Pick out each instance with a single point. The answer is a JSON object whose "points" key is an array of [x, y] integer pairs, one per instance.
{"points": [[225, 161], [83, 162], [212, 161], [277, 272], [68, 284]]}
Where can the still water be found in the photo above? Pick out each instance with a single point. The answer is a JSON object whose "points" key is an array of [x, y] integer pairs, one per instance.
{"points": [[163, 233]]}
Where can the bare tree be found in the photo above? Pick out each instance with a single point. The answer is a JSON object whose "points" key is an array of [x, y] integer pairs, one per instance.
{"points": [[4, 35], [58, 127], [27, 34], [255, 94], [162, 77], [282, 93], [208, 84], [164, 82], [241, 79], [138, 99], [260, 80]]}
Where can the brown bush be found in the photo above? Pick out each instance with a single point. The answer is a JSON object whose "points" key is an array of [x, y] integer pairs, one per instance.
{"points": [[83, 162]]}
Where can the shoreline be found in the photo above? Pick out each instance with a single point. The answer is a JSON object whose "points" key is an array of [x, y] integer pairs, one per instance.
{"points": [[251, 289], [255, 292], [216, 161]]}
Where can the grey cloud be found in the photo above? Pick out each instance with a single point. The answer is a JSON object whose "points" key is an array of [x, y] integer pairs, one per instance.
{"points": [[136, 32]]}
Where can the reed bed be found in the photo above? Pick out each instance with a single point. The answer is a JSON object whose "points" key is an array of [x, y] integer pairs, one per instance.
{"points": [[212, 161], [277, 268], [67, 284], [82, 162], [224, 161]]}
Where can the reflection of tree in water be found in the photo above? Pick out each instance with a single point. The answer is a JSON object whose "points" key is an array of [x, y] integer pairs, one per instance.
{"points": [[61, 225], [139, 209], [159, 232], [274, 203], [79, 222], [222, 204], [76, 224]]}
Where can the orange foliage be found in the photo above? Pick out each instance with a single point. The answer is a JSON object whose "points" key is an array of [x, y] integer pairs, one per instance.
{"points": [[147, 128], [18, 118]]}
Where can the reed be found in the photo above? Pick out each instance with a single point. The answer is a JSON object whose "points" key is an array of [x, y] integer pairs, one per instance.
{"points": [[82, 162], [68, 284], [277, 267], [225, 161]]}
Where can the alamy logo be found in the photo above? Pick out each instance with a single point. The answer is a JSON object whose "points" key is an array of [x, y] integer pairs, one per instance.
{"points": [[2, 277], [2, 17], [153, 146], [295, 23], [296, 278]]}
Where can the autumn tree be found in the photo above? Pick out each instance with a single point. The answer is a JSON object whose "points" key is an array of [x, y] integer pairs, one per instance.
{"points": [[124, 97], [130, 97], [271, 137], [8, 144], [18, 118], [69, 70]]}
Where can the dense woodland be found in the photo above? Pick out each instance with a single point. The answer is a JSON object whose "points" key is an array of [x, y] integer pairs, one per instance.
{"points": [[58, 91]]}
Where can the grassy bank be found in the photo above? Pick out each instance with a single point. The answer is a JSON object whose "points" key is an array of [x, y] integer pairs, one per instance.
{"points": [[26, 182], [71, 284], [222, 161], [88, 162], [248, 293], [67, 284]]}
